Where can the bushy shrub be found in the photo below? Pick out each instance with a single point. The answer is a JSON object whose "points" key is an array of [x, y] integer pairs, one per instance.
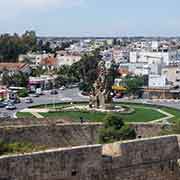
{"points": [[85, 87], [115, 130], [23, 93]]}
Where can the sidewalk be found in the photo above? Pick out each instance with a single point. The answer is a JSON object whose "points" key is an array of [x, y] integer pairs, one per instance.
{"points": [[36, 112]]}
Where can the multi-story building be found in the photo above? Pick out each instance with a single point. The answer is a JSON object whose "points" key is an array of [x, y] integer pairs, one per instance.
{"points": [[157, 81], [141, 68], [64, 58], [153, 57], [172, 74], [120, 55]]}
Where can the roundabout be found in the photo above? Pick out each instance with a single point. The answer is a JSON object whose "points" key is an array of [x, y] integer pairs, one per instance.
{"points": [[73, 111]]}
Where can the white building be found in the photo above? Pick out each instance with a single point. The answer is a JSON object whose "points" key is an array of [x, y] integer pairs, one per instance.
{"points": [[120, 55], [153, 57], [157, 81], [155, 45], [67, 59], [33, 58], [172, 74], [142, 68]]}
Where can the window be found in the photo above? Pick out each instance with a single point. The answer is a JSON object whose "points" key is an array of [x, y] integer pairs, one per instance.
{"points": [[74, 172]]}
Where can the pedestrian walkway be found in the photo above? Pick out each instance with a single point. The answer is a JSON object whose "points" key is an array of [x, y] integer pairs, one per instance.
{"points": [[36, 112], [168, 116], [37, 115]]}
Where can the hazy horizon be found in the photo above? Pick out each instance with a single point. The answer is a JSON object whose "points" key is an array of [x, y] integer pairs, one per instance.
{"points": [[84, 18]]}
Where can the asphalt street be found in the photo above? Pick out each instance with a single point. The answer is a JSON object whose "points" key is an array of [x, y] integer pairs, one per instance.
{"points": [[70, 95], [67, 95]]}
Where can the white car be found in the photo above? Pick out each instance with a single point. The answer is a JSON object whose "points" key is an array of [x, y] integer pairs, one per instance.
{"points": [[34, 95], [28, 100], [10, 107], [62, 88]]}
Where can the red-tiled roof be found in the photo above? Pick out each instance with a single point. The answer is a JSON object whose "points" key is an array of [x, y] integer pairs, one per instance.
{"points": [[49, 61], [12, 66]]}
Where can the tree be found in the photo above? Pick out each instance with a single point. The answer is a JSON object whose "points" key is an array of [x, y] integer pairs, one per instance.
{"points": [[11, 46], [47, 47], [38, 71], [19, 79], [86, 69], [115, 130], [65, 45], [133, 84], [23, 93], [66, 75]]}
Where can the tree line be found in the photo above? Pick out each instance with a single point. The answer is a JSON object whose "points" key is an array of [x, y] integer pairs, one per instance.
{"points": [[11, 46]]}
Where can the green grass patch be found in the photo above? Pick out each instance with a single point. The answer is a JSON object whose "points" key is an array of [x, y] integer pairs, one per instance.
{"points": [[24, 115], [172, 111], [75, 116], [141, 114], [58, 105]]}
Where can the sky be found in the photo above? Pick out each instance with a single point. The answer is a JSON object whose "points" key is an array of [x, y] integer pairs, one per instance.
{"points": [[91, 17]]}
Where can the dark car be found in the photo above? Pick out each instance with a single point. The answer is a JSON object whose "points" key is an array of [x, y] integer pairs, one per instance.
{"points": [[54, 92], [2, 105], [15, 101]]}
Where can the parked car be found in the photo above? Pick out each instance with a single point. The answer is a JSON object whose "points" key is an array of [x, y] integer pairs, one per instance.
{"points": [[15, 101], [54, 92], [6, 102], [62, 88], [2, 105], [118, 95], [35, 95], [85, 93], [10, 107], [28, 100]]}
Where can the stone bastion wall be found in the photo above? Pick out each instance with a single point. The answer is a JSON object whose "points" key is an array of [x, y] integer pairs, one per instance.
{"points": [[52, 133], [145, 159], [57, 135]]}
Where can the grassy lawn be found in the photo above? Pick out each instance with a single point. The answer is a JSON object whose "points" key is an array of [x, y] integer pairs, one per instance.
{"points": [[172, 111], [58, 105], [141, 114], [24, 115], [75, 116]]}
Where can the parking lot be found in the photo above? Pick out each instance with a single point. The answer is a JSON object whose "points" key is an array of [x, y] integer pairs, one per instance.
{"points": [[66, 95]]}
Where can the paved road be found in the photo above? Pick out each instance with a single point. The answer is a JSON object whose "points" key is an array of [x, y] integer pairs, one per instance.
{"points": [[69, 95], [66, 95]]}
